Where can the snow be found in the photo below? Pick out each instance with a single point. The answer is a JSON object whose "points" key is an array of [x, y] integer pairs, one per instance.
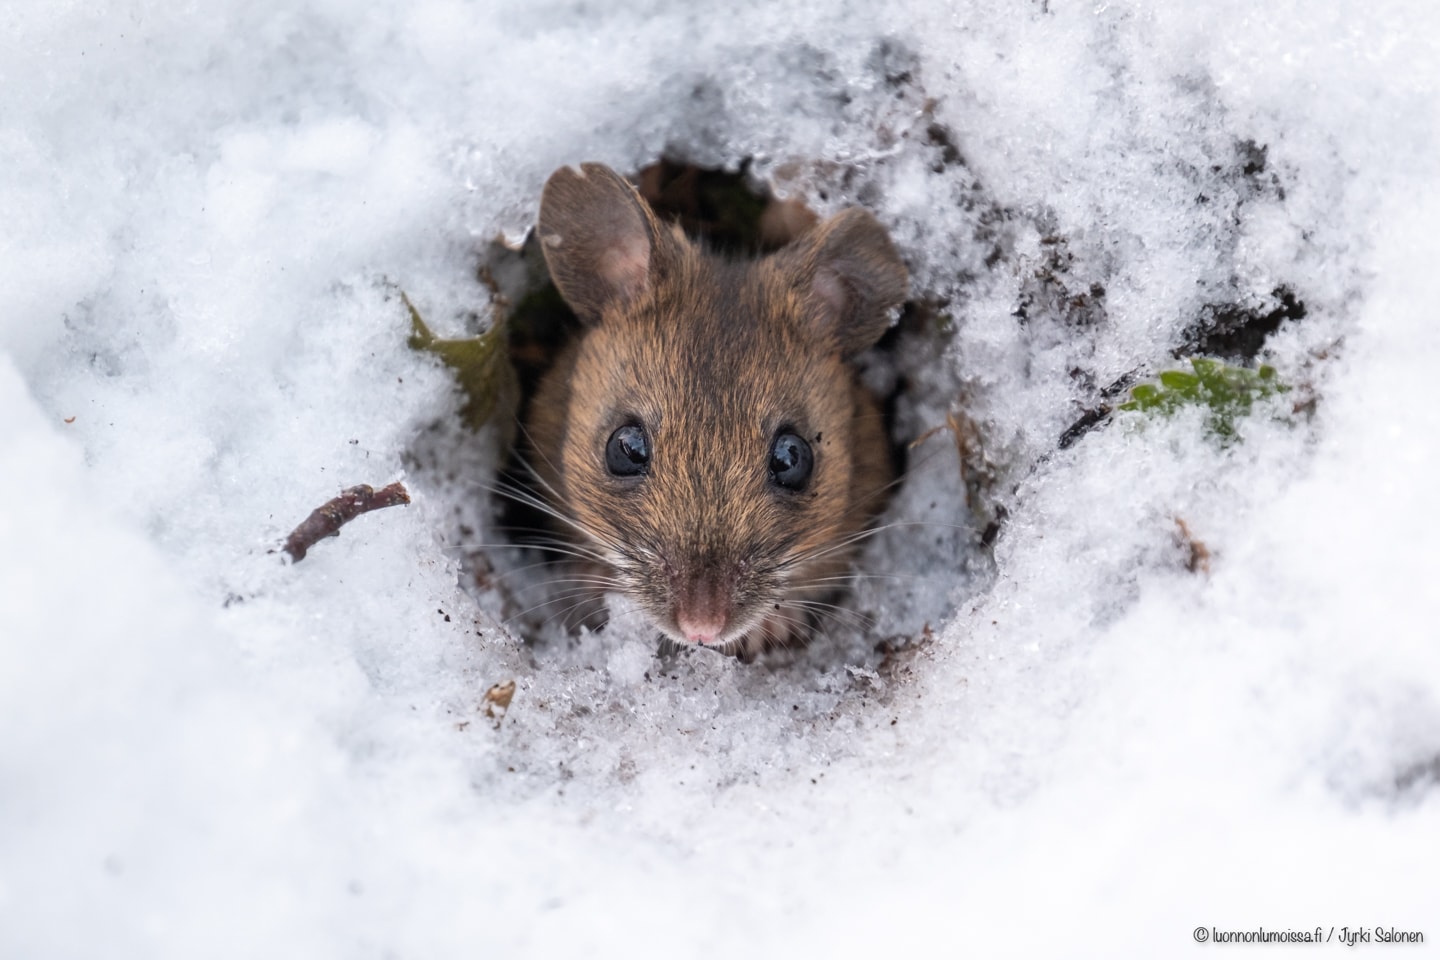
{"points": [[205, 751]]}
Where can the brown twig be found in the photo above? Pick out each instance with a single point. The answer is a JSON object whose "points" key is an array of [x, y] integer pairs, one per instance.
{"points": [[327, 519], [1198, 560]]}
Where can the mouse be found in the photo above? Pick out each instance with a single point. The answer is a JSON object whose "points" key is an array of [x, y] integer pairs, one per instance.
{"points": [[704, 445]]}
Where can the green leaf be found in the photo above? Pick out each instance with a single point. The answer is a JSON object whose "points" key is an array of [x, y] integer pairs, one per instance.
{"points": [[1181, 382], [1229, 392], [481, 364]]}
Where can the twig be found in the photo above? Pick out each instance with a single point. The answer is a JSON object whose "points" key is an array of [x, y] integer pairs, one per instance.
{"points": [[1198, 560], [327, 519]]}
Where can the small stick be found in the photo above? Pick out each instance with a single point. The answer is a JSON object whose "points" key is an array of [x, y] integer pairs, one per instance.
{"points": [[1199, 560], [327, 519]]}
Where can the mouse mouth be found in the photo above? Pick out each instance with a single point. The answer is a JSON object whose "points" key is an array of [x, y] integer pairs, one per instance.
{"points": [[707, 613], [706, 628], [761, 624]]}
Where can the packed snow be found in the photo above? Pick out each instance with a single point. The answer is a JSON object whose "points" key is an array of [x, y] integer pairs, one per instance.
{"points": [[1186, 682]]}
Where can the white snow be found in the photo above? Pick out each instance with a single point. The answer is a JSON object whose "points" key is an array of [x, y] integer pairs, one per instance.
{"points": [[207, 752]]}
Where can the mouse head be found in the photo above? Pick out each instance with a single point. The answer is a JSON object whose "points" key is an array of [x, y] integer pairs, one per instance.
{"points": [[705, 434]]}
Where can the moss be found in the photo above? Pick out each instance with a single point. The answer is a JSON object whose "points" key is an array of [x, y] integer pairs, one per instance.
{"points": [[1229, 392]]}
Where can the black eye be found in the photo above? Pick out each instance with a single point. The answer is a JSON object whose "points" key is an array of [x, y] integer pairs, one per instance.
{"points": [[627, 453], [790, 461]]}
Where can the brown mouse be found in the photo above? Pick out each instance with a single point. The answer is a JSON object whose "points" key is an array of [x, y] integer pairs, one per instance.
{"points": [[704, 443]]}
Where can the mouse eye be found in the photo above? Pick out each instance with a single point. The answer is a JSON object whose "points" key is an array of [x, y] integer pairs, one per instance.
{"points": [[627, 453], [791, 461]]}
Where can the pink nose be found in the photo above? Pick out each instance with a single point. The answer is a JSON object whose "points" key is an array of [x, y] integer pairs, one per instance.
{"points": [[698, 630]]}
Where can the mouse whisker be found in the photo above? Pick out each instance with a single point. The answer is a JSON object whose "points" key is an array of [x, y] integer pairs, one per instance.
{"points": [[595, 587], [521, 495], [840, 614], [564, 603], [531, 444], [552, 550], [865, 502], [837, 546], [602, 547], [850, 578]]}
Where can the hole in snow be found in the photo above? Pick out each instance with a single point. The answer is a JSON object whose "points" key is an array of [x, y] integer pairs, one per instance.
{"points": [[906, 575], [1042, 286]]}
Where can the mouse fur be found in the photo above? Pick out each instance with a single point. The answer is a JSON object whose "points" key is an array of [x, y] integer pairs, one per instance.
{"points": [[714, 361]]}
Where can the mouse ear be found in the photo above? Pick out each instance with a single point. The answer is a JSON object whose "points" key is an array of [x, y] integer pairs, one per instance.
{"points": [[602, 243], [852, 277]]}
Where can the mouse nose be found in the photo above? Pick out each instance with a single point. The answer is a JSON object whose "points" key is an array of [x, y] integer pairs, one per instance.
{"points": [[702, 608], [700, 630]]}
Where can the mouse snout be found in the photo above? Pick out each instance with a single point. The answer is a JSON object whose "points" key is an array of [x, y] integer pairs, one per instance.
{"points": [[704, 602]]}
